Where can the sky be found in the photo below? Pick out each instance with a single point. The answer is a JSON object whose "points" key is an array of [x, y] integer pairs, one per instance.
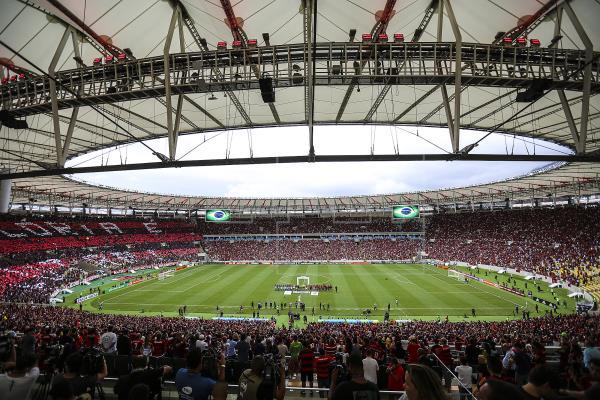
{"points": [[314, 179]]}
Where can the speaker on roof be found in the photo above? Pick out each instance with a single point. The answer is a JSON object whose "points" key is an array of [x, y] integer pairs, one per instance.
{"points": [[7, 119], [266, 89], [535, 91]]}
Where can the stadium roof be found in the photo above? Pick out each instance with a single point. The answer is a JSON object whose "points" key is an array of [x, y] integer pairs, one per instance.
{"points": [[316, 72]]}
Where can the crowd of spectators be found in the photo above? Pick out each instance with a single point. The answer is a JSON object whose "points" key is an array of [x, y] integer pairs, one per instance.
{"points": [[299, 225], [34, 283], [506, 351], [313, 249], [558, 243]]}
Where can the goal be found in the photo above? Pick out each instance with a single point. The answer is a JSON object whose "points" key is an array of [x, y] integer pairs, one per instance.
{"points": [[456, 275], [302, 281], [166, 274]]}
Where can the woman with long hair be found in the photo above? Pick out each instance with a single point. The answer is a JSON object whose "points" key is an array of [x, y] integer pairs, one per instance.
{"points": [[422, 383]]}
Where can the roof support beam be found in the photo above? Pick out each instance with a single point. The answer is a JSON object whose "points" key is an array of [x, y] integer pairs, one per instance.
{"points": [[202, 45], [309, 88], [580, 140], [379, 27], [416, 37], [532, 23], [61, 149], [107, 46], [590, 158], [455, 134], [416, 103], [172, 131], [239, 34]]}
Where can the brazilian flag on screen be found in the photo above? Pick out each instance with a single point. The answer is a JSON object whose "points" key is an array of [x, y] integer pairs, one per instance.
{"points": [[405, 212], [218, 215]]}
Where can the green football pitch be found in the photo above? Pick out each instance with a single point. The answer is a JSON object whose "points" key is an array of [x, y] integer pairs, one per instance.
{"points": [[421, 291]]}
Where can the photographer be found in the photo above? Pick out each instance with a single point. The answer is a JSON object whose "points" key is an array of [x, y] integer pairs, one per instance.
{"points": [[258, 384], [74, 370], [192, 385], [144, 375], [357, 386]]}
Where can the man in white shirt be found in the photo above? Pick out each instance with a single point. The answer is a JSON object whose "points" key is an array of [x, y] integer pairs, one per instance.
{"points": [[109, 341], [464, 372], [18, 384], [370, 367], [201, 343]]}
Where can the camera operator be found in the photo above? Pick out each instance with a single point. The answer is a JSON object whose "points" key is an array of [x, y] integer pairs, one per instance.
{"points": [[142, 374], [73, 374], [192, 385], [257, 384], [357, 386], [18, 383]]}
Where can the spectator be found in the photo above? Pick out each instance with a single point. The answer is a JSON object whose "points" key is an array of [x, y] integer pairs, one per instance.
{"points": [[357, 386], [255, 386], [323, 364], [295, 349], [370, 367], [444, 356], [422, 383], [307, 363], [141, 374], [499, 390], [140, 391], [72, 375], [108, 340], [18, 383], [395, 373], [464, 372], [124, 343], [593, 391], [522, 363], [543, 383], [191, 385], [591, 351]]}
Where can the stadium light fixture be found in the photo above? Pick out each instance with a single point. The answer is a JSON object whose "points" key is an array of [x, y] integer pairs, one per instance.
{"points": [[507, 41], [521, 41], [383, 37], [236, 44], [367, 37], [97, 61], [535, 42], [398, 37], [221, 45], [252, 42], [109, 59]]}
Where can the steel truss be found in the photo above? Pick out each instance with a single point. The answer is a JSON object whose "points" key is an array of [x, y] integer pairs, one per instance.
{"points": [[73, 194], [235, 69]]}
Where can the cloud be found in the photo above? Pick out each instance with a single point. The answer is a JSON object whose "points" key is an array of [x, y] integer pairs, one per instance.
{"points": [[314, 179]]}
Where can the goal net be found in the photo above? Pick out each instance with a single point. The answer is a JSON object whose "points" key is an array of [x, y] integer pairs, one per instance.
{"points": [[456, 275], [302, 281], [166, 274]]}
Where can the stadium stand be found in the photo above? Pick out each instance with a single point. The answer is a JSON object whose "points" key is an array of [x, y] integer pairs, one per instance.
{"points": [[313, 249]]}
